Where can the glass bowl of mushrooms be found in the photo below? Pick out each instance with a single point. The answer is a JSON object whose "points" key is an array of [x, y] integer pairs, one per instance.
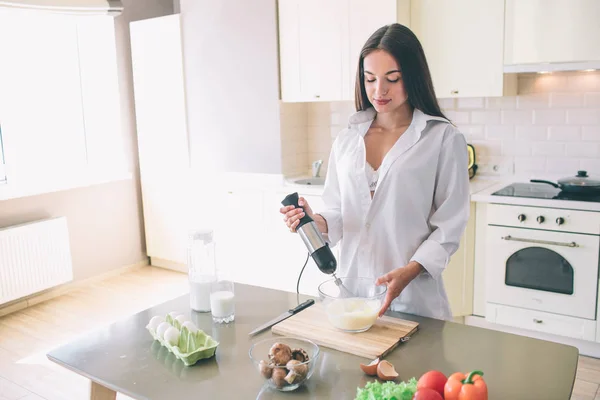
{"points": [[284, 362]]}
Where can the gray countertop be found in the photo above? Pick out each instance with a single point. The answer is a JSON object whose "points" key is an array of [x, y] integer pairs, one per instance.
{"points": [[125, 358]]}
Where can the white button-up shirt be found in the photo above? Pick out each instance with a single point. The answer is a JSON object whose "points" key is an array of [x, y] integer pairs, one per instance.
{"points": [[418, 212]]}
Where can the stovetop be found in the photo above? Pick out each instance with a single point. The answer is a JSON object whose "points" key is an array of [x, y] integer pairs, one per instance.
{"points": [[542, 191]]}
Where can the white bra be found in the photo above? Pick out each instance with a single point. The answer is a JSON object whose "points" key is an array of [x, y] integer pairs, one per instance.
{"points": [[372, 176]]}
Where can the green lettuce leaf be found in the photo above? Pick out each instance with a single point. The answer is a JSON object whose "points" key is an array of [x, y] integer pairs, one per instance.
{"points": [[387, 391]]}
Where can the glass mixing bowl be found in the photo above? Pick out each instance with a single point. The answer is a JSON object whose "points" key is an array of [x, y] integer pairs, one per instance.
{"points": [[356, 311]]}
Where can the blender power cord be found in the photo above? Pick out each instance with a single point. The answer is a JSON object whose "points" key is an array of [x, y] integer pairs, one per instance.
{"points": [[300, 275]]}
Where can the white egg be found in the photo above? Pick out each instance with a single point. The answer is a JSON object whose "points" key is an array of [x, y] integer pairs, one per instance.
{"points": [[162, 328], [190, 325], [172, 336], [174, 314], [155, 322], [181, 319]]}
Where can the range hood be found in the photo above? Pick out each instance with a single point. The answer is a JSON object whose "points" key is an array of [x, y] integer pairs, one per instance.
{"points": [[78, 7], [552, 67]]}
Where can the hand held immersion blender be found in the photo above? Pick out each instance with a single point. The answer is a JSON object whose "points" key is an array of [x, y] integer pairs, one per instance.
{"points": [[317, 247]]}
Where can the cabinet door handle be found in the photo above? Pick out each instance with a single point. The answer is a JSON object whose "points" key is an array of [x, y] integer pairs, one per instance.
{"points": [[454, 91], [572, 244], [537, 321]]}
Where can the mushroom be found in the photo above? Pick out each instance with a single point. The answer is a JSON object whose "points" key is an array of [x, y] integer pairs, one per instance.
{"points": [[297, 371], [280, 354], [266, 369], [300, 355], [278, 377]]}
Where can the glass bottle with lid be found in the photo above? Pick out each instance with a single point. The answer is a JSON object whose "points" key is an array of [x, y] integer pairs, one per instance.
{"points": [[202, 271]]}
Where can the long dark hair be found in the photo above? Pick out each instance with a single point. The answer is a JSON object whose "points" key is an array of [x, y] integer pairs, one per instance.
{"points": [[404, 46]]}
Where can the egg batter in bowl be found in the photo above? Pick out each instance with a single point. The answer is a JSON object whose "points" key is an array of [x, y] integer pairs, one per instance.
{"points": [[354, 314]]}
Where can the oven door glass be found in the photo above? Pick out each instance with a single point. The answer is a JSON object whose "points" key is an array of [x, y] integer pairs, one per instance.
{"points": [[540, 269]]}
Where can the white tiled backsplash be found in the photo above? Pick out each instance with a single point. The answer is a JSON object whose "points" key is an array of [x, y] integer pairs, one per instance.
{"points": [[551, 127]]}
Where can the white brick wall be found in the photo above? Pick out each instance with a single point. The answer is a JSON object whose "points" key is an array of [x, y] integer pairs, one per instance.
{"points": [[551, 126]]}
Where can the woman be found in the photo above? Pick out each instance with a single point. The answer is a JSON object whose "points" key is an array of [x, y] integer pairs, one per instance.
{"points": [[397, 185]]}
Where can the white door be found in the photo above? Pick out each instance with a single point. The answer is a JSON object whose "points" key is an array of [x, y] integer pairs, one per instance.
{"points": [[162, 135]]}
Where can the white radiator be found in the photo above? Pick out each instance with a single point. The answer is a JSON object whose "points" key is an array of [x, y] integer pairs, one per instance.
{"points": [[34, 257]]}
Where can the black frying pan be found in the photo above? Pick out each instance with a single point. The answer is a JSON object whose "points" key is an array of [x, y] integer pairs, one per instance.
{"points": [[580, 184]]}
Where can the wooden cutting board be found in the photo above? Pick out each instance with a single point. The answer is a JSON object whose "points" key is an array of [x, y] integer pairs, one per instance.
{"points": [[312, 324]]}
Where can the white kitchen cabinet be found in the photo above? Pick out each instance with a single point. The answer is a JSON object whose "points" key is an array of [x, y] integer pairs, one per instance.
{"points": [[242, 249], [287, 250], [479, 300], [458, 276], [463, 41], [162, 135], [363, 20], [552, 31], [282, 265], [311, 49], [319, 44]]}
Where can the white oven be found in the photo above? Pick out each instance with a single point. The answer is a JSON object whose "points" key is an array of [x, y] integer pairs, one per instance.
{"points": [[544, 260]]}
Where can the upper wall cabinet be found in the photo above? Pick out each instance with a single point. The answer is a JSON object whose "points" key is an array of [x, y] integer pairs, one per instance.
{"points": [[463, 43], [551, 31], [319, 44], [364, 18], [311, 48]]}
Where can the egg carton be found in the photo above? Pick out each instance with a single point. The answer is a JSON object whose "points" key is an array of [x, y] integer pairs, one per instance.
{"points": [[182, 338]]}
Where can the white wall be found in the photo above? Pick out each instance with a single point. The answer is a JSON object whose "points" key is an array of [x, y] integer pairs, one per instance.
{"points": [[232, 84], [551, 127], [105, 221]]}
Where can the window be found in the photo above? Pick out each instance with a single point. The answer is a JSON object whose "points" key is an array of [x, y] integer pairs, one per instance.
{"points": [[540, 269], [60, 97]]}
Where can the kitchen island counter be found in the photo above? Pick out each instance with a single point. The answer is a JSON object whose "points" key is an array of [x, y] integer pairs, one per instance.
{"points": [[124, 358]]}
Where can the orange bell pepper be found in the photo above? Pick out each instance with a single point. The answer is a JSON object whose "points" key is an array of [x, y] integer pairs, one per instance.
{"points": [[466, 387]]}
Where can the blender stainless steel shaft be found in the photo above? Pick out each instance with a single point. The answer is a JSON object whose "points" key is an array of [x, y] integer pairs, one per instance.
{"points": [[313, 240], [317, 246]]}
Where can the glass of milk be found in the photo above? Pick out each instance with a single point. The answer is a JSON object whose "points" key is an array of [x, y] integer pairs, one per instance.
{"points": [[222, 301]]}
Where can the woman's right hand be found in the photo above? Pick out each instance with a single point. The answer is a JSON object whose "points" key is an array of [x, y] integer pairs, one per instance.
{"points": [[293, 215]]}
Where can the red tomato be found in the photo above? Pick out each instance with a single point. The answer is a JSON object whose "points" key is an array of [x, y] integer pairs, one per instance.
{"points": [[427, 394], [433, 380]]}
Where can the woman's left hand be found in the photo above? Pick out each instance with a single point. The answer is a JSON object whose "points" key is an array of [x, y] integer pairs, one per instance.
{"points": [[396, 281]]}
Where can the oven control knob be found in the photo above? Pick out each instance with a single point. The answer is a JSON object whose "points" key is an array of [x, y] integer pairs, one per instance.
{"points": [[522, 217], [560, 221], [540, 219]]}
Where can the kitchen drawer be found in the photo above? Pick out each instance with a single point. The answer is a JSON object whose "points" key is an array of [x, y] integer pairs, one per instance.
{"points": [[577, 328], [572, 220]]}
